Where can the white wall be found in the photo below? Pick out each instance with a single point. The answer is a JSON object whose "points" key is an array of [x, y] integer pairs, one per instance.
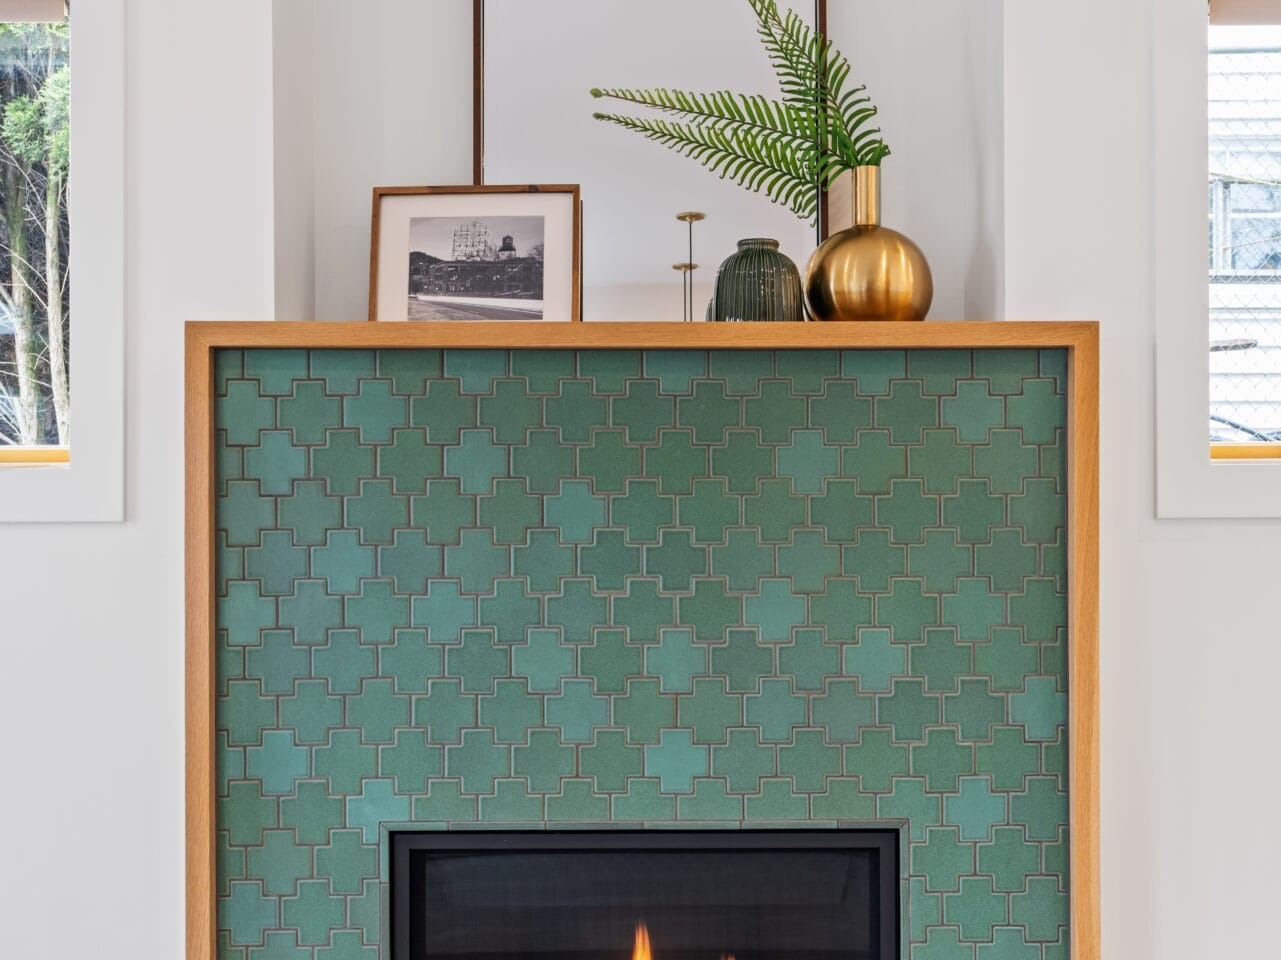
{"points": [[91, 617], [392, 86], [1189, 649], [294, 108], [375, 96], [1189, 728], [934, 69]]}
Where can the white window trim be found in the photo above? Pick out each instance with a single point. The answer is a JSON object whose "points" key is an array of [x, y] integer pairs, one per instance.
{"points": [[91, 486], [1189, 483]]}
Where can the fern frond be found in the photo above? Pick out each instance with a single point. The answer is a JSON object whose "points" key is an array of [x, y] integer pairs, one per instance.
{"points": [[772, 163], [782, 148], [721, 108], [812, 74], [792, 51]]}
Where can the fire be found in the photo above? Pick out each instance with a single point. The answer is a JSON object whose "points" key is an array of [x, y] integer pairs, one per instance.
{"points": [[640, 946]]}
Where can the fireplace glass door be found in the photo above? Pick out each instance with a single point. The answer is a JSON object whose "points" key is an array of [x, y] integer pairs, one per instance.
{"points": [[650, 895]]}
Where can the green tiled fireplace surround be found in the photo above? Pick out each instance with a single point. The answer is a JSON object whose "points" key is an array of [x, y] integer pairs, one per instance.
{"points": [[732, 589]]}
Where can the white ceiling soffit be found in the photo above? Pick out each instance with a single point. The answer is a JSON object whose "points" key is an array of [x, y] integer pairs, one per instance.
{"points": [[1227, 12], [40, 11]]}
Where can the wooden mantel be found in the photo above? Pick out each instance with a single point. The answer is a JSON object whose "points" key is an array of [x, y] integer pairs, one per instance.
{"points": [[1078, 340]]}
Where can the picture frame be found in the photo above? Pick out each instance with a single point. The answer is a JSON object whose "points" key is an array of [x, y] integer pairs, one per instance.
{"points": [[476, 253]]}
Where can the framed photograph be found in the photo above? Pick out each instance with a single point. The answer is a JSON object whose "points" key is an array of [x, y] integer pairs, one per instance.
{"points": [[476, 253]]}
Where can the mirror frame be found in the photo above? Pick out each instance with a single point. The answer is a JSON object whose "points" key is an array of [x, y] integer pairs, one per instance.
{"points": [[478, 103]]}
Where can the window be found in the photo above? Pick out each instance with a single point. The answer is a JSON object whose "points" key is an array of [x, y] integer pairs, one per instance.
{"points": [[1216, 249], [50, 384], [1245, 239], [35, 149]]}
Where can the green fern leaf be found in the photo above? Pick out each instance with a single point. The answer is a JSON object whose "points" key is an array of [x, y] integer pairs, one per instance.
{"points": [[812, 74], [784, 148], [764, 164]]}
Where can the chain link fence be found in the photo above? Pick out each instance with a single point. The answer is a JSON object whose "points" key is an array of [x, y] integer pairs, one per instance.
{"points": [[1245, 243]]}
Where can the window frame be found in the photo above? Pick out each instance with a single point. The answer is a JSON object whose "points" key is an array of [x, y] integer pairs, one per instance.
{"points": [[1195, 479], [1228, 12], [46, 484]]}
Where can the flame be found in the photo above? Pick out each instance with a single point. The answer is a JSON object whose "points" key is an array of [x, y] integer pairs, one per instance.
{"points": [[640, 946]]}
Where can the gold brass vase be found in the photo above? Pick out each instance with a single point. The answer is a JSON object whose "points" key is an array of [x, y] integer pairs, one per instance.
{"points": [[868, 272]]}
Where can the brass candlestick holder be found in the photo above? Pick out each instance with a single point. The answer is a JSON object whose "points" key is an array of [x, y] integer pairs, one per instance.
{"points": [[687, 288], [687, 268]]}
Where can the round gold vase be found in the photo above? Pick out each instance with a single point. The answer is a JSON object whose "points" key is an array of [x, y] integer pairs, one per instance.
{"points": [[868, 272]]}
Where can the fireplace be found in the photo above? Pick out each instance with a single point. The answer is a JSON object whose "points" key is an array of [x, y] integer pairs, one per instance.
{"points": [[646, 895]]}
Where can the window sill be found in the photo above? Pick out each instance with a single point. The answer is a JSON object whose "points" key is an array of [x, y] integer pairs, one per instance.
{"points": [[34, 456], [1245, 451]]}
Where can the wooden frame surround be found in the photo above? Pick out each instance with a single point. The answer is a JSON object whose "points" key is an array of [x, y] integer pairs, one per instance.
{"points": [[1080, 340]]}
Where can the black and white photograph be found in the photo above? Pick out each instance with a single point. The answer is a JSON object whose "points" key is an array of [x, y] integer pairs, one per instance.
{"points": [[476, 254], [476, 268]]}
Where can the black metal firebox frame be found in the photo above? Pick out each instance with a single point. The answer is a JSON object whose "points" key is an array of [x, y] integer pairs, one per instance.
{"points": [[407, 883]]}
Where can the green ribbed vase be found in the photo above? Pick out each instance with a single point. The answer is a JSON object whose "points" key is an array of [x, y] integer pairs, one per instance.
{"points": [[757, 283]]}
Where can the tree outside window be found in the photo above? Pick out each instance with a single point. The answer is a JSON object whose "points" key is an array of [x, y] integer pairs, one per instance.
{"points": [[35, 369]]}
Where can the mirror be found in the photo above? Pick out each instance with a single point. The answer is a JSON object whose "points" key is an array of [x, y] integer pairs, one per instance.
{"points": [[538, 60]]}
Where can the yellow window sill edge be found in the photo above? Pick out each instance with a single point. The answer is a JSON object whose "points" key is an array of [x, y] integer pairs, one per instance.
{"points": [[33, 456], [1245, 451]]}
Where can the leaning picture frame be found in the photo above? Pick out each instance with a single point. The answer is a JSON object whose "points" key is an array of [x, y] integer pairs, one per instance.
{"points": [[476, 253]]}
